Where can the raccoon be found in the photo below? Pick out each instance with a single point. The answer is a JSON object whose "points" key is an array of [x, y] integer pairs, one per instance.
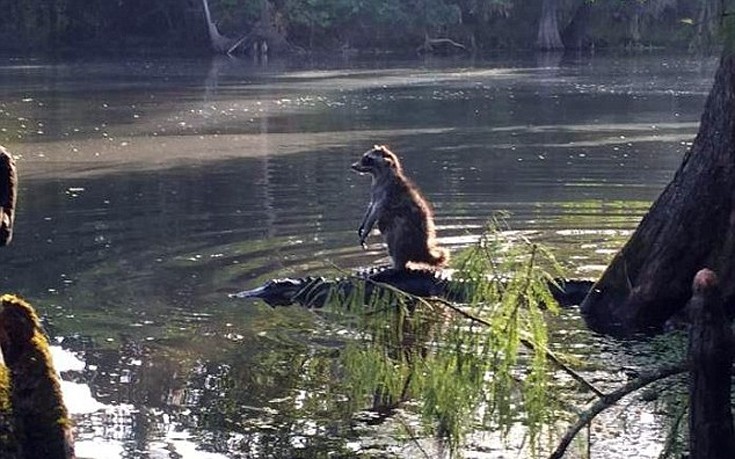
{"points": [[404, 217]]}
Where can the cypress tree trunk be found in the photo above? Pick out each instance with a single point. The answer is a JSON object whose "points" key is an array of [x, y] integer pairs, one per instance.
{"points": [[575, 34], [548, 28], [690, 226]]}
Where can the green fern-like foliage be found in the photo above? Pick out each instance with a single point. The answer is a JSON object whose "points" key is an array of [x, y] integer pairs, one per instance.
{"points": [[482, 364]]}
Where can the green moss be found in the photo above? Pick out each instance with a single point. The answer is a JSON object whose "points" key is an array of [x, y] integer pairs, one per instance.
{"points": [[8, 440], [40, 418], [4, 389]]}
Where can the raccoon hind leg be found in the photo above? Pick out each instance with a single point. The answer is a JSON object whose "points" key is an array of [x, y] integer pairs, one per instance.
{"points": [[397, 248]]}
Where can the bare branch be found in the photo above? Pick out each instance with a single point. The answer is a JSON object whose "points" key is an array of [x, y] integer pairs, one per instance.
{"points": [[610, 399]]}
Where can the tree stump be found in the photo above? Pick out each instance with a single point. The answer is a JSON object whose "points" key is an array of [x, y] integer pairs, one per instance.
{"points": [[39, 422], [691, 224], [711, 434]]}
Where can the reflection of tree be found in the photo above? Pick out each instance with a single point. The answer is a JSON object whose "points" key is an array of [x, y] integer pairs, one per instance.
{"points": [[259, 392]]}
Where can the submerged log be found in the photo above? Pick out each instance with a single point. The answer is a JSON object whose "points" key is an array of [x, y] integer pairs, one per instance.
{"points": [[691, 224], [8, 195], [711, 434], [40, 426]]}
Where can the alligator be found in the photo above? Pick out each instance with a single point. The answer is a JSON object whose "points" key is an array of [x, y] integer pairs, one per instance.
{"points": [[313, 291]]}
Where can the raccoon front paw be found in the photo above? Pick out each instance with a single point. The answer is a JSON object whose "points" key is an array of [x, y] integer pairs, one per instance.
{"points": [[361, 233]]}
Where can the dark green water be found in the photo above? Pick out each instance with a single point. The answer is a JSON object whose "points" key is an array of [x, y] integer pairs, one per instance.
{"points": [[152, 189]]}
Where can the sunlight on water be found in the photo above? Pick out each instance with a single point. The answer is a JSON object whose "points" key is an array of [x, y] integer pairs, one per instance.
{"points": [[153, 189]]}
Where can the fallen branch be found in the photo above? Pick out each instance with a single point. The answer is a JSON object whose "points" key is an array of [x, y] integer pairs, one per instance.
{"points": [[610, 399], [429, 44], [448, 41], [237, 43]]}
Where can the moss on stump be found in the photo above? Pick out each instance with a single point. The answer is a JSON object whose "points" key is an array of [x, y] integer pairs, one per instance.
{"points": [[40, 424]]}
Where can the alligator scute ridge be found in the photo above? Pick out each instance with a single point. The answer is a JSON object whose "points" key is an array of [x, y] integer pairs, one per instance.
{"points": [[314, 291]]}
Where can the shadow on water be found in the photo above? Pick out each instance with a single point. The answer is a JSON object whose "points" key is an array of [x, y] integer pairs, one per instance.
{"points": [[151, 190]]}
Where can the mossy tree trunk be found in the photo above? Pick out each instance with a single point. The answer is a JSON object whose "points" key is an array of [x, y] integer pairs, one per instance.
{"points": [[548, 30], [8, 194], [40, 424], [690, 226]]}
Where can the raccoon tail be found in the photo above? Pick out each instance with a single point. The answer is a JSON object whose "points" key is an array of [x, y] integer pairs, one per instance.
{"points": [[439, 257]]}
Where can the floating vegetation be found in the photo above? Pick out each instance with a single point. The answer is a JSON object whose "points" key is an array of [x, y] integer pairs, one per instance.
{"points": [[483, 364]]}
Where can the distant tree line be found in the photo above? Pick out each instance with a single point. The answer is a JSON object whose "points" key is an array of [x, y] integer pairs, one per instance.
{"points": [[326, 25]]}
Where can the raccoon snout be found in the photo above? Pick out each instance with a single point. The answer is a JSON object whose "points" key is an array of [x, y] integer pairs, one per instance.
{"points": [[358, 167]]}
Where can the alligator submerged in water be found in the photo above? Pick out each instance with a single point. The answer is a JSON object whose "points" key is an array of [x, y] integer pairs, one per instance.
{"points": [[313, 292]]}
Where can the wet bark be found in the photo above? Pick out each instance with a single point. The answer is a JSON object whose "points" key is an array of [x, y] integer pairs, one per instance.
{"points": [[548, 29], [691, 225], [8, 195], [711, 434]]}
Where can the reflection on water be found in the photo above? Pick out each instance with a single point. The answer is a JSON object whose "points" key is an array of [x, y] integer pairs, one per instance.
{"points": [[152, 189]]}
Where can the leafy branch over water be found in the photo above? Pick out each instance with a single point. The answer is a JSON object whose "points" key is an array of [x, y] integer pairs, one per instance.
{"points": [[480, 364]]}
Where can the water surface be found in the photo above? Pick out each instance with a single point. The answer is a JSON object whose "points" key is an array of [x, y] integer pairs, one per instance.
{"points": [[151, 189]]}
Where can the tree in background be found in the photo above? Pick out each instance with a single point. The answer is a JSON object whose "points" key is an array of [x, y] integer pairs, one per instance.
{"points": [[475, 17], [66, 24], [393, 25], [35, 21], [707, 22], [548, 28]]}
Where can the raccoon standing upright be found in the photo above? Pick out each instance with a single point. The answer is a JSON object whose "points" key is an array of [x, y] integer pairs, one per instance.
{"points": [[404, 217]]}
